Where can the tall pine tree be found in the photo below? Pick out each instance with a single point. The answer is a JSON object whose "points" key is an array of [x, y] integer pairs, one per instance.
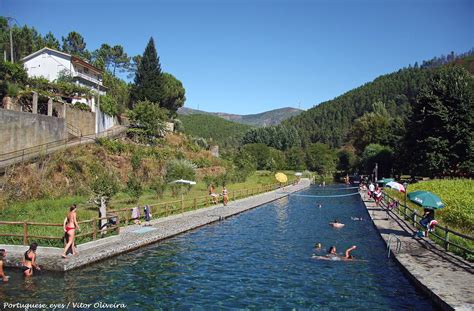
{"points": [[440, 137], [148, 77]]}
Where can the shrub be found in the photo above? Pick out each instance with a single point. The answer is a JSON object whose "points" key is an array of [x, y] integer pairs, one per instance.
{"points": [[159, 186], [108, 105], [115, 146], [179, 169], [134, 188], [81, 106]]}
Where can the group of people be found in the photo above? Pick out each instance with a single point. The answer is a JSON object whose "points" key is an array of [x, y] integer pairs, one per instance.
{"points": [[28, 263], [332, 253], [215, 196]]}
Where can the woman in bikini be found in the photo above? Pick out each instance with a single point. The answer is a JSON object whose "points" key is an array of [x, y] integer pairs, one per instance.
{"points": [[70, 228], [29, 261], [225, 195]]}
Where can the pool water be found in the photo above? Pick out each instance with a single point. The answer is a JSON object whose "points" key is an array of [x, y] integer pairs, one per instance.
{"points": [[259, 259]]}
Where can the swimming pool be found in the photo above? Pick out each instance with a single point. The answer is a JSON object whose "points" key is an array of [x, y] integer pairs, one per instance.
{"points": [[259, 259]]}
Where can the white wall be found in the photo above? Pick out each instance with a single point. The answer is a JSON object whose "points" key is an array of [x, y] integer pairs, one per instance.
{"points": [[48, 65], [104, 122]]}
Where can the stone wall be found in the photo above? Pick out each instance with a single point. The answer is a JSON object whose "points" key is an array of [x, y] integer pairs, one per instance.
{"points": [[83, 120], [21, 130]]}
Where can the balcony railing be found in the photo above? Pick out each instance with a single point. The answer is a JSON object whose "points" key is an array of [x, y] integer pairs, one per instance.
{"points": [[87, 77]]}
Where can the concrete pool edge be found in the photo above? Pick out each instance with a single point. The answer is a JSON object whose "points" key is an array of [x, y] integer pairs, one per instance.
{"points": [[49, 257], [445, 278]]}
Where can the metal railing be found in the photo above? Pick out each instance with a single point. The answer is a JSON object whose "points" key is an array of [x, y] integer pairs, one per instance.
{"points": [[446, 234], [121, 217]]}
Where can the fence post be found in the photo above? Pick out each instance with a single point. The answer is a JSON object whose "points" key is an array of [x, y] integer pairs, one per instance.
{"points": [[195, 203], [182, 203], [94, 233], [414, 220], [446, 237], [25, 233], [233, 195], [118, 224], [23, 155]]}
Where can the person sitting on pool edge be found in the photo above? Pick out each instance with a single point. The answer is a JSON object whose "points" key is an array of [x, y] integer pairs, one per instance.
{"points": [[336, 224]]}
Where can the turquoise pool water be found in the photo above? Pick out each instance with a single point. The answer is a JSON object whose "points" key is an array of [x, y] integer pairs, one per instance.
{"points": [[258, 260]]}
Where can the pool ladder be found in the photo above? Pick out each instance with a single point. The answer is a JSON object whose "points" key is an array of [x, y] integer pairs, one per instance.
{"points": [[389, 244]]}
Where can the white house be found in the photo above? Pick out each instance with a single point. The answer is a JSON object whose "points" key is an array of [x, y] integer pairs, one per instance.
{"points": [[50, 64]]}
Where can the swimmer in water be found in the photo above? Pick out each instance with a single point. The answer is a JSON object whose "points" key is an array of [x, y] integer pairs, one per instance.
{"points": [[318, 246], [336, 224], [319, 205], [333, 255]]}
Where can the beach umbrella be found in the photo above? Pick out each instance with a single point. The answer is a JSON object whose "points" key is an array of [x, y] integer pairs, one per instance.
{"points": [[395, 185], [280, 177], [384, 181], [426, 199], [183, 182]]}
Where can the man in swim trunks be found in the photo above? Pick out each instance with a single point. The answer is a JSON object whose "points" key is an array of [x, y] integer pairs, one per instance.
{"points": [[3, 277]]}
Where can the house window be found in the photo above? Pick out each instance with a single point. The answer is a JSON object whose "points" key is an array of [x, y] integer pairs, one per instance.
{"points": [[86, 70]]}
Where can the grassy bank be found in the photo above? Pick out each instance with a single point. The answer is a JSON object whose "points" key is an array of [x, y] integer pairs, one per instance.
{"points": [[54, 210]]}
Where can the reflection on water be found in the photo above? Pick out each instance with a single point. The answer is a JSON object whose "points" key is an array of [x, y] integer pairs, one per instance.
{"points": [[259, 259]]}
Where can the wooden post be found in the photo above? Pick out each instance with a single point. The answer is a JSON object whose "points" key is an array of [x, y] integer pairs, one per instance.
{"points": [[233, 195], [446, 237], [126, 218], [195, 203], [182, 203], [25, 233], [118, 224], [94, 233]]}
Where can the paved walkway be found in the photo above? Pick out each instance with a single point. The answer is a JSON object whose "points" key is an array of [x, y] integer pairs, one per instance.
{"points": [[133, 237], [446, 278]]}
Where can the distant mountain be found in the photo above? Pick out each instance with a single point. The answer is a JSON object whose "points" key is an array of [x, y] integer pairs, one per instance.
{"points": [[272, 117], [214, 129]]}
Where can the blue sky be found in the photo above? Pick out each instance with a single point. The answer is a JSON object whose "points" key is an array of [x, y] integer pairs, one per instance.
{"points": [[252, 56]]}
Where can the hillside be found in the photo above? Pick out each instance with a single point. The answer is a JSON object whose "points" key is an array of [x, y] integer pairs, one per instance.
{"points": [[272, 117], [214, 129]]}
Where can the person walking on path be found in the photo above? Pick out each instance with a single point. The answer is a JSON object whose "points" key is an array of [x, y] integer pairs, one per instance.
{"points": [[29, 260], [71, 226], [225, 195]]}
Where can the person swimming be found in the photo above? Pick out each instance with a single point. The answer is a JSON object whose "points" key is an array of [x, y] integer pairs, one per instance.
{"points": [[333, 255], [3, 277], [336, 224]]}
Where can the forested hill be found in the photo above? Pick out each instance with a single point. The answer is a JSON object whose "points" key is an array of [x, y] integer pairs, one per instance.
{"points": [[271, 117], [214, 129], [331, 121]]}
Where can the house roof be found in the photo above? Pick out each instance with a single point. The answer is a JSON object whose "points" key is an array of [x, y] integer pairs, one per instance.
{"points": [[77, 60], [39, 52], [74, 59]]}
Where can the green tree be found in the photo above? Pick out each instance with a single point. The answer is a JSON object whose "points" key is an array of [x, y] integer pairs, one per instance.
{"points": [[346, 161], [117, 89], [382, 155], [148, 117], [321, 159], [260, 154], [440, 135], [74, 44], [173, 93], [148, 80], [277, 159], [295, 158], [50, 41]]}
